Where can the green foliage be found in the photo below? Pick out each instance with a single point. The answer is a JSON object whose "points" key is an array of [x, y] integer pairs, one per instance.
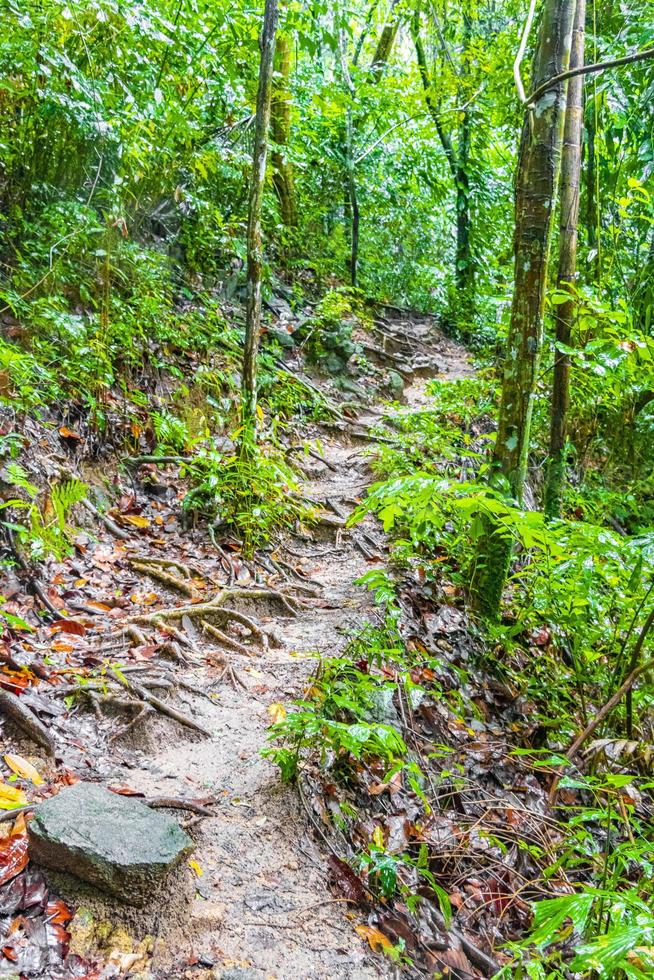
{"points": [[253, 493], [613, 934], [435, 438], [172, 433], [328, 335], [337, 720], [46, 530]]}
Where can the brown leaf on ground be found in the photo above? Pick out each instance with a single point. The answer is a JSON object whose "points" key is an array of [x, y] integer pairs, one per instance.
{"points": [[72, 626], [449, 960], [348, 882], [13, 856]]}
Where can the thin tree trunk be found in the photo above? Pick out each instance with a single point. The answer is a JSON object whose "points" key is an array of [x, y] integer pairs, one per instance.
{"points": [[592, 206], [353, 203], [280, 130], [254, 240], [536, 191], [352, 213], [464, 271], [567, 270], [356, 220], [458, 159]]}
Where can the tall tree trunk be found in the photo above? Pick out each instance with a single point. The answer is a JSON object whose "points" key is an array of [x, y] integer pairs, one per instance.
{"points": [[280, 130], [464, 272], [536, 191], [254, 240], [567, 270], [352, 213], [386, 41], [458, 159]]}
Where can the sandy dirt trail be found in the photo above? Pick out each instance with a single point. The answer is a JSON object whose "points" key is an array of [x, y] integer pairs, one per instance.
{"points": [[258, 904]]}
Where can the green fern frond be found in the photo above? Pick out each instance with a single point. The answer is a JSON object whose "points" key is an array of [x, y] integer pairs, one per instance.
{"points": [[18, 478], [64, 496]]}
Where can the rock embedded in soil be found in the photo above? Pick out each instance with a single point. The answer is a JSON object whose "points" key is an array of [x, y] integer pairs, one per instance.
{"points": [[114, 842]]}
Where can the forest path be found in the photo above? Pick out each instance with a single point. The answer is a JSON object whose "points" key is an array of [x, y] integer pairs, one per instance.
{"points": [[266, 910], [257, 902]]}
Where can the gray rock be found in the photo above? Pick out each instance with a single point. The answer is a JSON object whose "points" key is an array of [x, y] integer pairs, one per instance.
{"points": [[114, 842], [283, 337], [395, 382], [382, 708]]}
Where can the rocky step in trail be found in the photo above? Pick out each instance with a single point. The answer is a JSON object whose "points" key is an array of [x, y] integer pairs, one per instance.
{"points": [[191, 652]]}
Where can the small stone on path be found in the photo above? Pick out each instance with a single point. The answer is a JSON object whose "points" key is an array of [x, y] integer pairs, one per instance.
{"points": [[114, 842]]}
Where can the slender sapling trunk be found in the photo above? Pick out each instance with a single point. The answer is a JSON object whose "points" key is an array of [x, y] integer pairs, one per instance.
{"points": [[254, 239]]}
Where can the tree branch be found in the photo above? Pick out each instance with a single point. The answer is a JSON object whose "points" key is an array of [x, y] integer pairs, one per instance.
{"points": [[589, 69], [446, 142]]}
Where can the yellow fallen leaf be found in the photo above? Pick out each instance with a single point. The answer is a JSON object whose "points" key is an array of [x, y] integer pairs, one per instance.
{"points": [[277, 712], [10, 797], [136, 520], [23, 768], [195, 868], [378, 836], [20, 827], [376, 939]]}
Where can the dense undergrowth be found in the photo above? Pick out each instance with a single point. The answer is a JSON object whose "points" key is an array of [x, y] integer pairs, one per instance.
{"points": [[452, 723]]}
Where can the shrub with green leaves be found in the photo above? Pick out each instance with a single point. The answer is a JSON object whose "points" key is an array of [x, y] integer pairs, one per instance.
{"points": [[327, 337], [255, 494]]}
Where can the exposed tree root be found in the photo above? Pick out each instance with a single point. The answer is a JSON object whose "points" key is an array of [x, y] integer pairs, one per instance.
{"points": [[226, 640], [154, 570], [110, 525], [142, 702], [216, 606], [141, 711], [17, 712], [232, 676]]}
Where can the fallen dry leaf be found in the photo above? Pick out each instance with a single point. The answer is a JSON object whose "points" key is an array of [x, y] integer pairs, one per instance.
{"points": [[277, 712], [67, 433], [376, 939], [71, 626], [136, 520], [349, 883], [11, 797], [13, 856], [23, 768]]}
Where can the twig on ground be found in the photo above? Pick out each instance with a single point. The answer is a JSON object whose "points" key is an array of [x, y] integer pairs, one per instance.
{"points": [[605, 710], [140, 460], [110, 525], [175, 803]]}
